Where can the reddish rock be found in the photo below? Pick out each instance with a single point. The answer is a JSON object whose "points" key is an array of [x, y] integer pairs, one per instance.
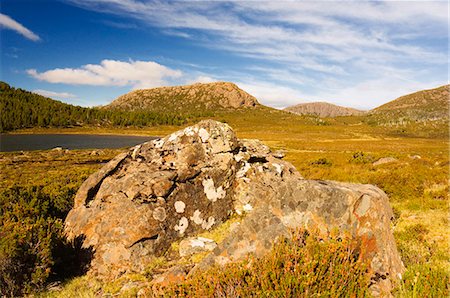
{"points": [[174, 188]]}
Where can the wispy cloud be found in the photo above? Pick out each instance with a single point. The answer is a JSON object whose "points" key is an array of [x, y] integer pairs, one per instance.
{"points": [[53, 94], [311, 48], [137, 74], [9, 23]]}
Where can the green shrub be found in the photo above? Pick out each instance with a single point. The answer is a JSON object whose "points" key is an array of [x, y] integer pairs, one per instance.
{"points": [[302, 266], [361, 157], [32, 246], [424, 280], [413, 247], [322, 162]]}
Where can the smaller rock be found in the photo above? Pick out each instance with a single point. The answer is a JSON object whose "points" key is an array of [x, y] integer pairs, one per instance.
{"points": [[129, 286], [194, 245], [174, 274], [280, 154], [57, 149], [415, 157], [384, 160]]}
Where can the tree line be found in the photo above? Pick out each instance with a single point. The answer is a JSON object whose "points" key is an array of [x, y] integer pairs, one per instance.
{"points": [[23, 109]]}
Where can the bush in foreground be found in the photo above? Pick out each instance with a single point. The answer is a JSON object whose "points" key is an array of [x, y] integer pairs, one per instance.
{"points": [[304, 266], [32, 246]]}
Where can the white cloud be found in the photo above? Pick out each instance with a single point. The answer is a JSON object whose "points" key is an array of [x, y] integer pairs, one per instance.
{"points": [[9, 23], [354, 53], [365, 95], [138, 74], [273, 95], [371, 94], [202, 79]]}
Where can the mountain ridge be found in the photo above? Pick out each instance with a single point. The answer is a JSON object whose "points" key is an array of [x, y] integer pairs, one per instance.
{"points": [[323, 109], [426, 104], [186, 99]]}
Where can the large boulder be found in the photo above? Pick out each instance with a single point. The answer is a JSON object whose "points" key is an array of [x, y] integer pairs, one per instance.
{"points": [[174, 188]]}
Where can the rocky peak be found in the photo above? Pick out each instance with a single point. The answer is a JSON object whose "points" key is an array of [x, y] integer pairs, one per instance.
{"points": [[193, 180], [205, 96]]}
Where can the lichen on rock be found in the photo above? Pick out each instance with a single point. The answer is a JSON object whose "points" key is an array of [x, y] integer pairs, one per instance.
{"points": [[191, 181]]}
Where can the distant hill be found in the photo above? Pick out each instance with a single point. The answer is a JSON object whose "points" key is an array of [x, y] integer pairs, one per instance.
{"points": [[323, 109], [425, 105], [23, 109], [190, 99]]}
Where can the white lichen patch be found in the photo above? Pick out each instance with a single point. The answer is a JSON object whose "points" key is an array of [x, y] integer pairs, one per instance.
{"points": [[182, 225], [179, 206], [158, 143], [209, 223], [242, 171], [238, 157], [212, 193], [196, 243], [189, 131], [174, 136], [278, 168], [197, 218], [247, 207], [203, 134], [159, 214], [135, 151]]}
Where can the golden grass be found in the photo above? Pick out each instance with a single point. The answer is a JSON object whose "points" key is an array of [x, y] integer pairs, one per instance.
{"points": [[418, 188]]}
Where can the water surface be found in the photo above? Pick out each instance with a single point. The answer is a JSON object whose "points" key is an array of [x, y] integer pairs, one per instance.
{"points": [[28, 142]]}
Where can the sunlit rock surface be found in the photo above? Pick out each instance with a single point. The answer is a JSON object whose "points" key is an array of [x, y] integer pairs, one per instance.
{"points": [[193, 180]]}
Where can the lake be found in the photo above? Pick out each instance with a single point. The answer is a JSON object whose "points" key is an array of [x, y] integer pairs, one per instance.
{"points": [[28, 142]]}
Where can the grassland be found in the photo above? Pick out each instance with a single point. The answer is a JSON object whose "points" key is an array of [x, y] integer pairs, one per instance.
{"points": [[340, 149]]}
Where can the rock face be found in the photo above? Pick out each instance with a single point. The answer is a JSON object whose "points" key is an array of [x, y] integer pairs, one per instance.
{"points": [[322, 109], [197, 97], [174, 188]]}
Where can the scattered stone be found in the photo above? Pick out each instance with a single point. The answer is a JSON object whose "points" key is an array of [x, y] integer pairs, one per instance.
{"points": [[194, 245], [174, 274], [130, 286], [279, 154], [174, 188], [415, 157], [384, 160]]}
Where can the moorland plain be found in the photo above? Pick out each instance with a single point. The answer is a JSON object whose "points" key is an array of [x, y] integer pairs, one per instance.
{"points": [[342, 149]]}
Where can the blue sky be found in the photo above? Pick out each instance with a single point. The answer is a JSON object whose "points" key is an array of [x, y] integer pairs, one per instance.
{"points": [[352, 53]]}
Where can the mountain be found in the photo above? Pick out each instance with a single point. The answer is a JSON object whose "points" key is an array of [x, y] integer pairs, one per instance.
{"points": [[322, 109], [190, 99], [425, 105]]}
